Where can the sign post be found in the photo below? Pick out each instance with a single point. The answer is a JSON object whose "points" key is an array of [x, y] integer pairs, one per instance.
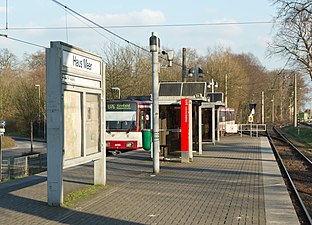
{"points": [[75, 114], [2, 131]]}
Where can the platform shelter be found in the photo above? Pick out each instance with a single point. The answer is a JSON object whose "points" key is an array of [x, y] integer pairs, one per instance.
{"points": [[203, 116]]}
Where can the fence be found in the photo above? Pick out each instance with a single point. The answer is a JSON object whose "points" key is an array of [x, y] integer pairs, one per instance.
{"points": [[23, 166], [252, 128]]}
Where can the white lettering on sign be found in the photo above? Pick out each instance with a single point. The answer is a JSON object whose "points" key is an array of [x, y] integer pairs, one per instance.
{"points": [[80, 62]]}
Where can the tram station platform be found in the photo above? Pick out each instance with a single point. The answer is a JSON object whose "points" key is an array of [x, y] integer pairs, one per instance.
{"points": [[236, 181]]}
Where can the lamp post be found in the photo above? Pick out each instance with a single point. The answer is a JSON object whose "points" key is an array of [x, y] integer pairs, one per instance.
{"points": [[212, 84], [195, 72], [117, 89], [155, 49], [39, 119]]}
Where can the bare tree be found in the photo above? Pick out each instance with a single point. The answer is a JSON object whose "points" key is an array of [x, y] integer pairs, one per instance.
{"points": [[7, 60], [8, 75], [294, 33], [127, 68]]}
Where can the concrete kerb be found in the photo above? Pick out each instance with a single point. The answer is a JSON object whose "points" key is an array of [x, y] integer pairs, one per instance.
{"points": [[278, 206]]}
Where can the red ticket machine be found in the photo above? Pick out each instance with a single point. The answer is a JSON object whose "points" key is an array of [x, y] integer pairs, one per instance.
{"points": [[185, 121]]}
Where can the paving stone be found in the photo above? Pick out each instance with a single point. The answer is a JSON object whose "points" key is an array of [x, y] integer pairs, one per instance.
{"points": [[227, 184]]}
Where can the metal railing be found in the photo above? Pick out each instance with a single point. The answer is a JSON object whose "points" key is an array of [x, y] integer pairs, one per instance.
{"points": [[251, 128], [23, 166]]}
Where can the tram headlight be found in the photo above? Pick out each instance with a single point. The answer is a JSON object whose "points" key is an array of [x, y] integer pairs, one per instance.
{"points": [[130, 144]]}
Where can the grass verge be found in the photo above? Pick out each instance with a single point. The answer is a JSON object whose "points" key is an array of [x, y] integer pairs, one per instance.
{"points": [[305, 133], [7, 142]]}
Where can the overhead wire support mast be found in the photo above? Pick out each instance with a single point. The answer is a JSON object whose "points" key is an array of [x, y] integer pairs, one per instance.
{"points": [[6, 15]]}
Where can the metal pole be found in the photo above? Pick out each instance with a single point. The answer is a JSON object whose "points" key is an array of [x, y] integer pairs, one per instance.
{"points": [[6, 15], [0, 157], [273, 109], [226, 90], [39, 100], [183, 64], [200, 131], [39, 119], [31, 136], [154, 46], [218, 126], [262, 107], [195, 73], [213, 124], [295, 100]]}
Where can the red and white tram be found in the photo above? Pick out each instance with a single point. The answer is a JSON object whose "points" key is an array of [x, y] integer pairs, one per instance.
{"points": [[125, 120], [227, 120]]}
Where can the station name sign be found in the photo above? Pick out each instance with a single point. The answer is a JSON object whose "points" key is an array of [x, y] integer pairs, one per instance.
{"points": [[86, 64]]}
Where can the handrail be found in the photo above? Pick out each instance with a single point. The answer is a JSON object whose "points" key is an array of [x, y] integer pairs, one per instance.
{"points": [[251, 127]]}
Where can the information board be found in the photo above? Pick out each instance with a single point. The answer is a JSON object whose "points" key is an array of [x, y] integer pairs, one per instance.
{"points": [[75, 114]]}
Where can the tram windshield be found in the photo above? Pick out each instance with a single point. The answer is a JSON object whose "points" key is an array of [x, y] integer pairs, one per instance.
{"points": [[116, 120]]}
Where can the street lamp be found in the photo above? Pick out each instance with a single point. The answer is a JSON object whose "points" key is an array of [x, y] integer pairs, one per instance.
{"points": [[117, 89], [39, 119], [195, 72], [169, 54], [212, 84], [155, 50]]}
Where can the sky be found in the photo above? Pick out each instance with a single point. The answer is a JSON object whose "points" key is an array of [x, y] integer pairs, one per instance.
{"points": [[240, 38]]}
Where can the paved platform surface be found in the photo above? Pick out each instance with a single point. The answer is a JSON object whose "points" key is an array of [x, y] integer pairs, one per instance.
{"points": [[236, 181]]}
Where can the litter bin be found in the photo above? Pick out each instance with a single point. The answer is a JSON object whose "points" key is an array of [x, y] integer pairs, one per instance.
{"points": [[147, 139]]}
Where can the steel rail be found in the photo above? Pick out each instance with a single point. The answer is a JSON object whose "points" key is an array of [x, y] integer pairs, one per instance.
{"points": [[293, 146], [292, 185]]}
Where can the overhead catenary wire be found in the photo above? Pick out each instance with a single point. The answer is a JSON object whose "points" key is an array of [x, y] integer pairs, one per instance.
{"points": [[107, 30], [22, 41], [96, 25], [89, 27], [168, 25], [100, 26], [146, 26]]}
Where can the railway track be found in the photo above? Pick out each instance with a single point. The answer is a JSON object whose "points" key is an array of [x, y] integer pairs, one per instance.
{"points": [[296, 168]]}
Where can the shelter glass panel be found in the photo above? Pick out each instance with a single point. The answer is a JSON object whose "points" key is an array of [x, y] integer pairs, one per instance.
{"points": [[72, 120], [93, 123]]}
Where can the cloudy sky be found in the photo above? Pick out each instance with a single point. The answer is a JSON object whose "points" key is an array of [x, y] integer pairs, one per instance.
{"points": [[200, 24]]}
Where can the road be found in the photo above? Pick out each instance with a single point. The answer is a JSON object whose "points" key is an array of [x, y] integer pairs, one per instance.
{"points": [[23, 146]]}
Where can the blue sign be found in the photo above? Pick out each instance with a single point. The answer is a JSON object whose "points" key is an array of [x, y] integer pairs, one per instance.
{"points": [[3, 123]]}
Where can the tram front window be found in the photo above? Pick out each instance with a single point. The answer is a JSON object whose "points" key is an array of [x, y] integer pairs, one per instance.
{"points": [[121, 121]]}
